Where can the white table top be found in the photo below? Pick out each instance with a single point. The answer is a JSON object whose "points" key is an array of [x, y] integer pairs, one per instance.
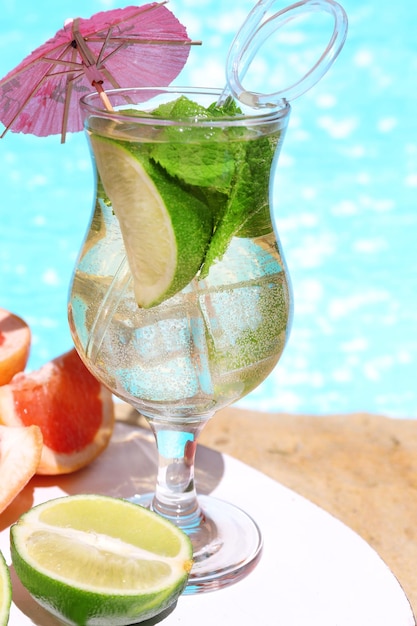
{"points": [[313, 571]]}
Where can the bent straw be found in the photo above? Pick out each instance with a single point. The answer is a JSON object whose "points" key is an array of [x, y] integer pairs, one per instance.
{"points": [[255, 31]]}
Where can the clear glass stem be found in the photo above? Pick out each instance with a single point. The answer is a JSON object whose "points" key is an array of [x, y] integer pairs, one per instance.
{"points": [[175, 495], [226, 542]]}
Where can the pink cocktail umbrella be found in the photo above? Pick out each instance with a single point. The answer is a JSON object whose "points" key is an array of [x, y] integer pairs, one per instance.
{"points": [[130, 47]]}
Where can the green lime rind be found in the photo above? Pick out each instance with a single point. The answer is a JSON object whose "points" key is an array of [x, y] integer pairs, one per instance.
{"points": [[192, 224], [94, 577], [80, 606], [5, 592]]}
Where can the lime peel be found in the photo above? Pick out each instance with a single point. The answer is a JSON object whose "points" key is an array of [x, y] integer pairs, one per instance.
{"points": [[5, 592]]}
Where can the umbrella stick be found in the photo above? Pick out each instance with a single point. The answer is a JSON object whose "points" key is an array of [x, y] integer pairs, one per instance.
{"points": [[104, 97], [90, 63]]}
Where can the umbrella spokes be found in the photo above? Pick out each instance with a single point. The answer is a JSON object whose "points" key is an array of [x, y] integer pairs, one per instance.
{"points": [[100, 59], [135, 46], [70, 65]]}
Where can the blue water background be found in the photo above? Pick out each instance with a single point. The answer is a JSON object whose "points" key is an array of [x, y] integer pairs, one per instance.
{"points": [[345, 204]]}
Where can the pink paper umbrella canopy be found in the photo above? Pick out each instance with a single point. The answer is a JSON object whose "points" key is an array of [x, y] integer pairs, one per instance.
{"points": [[130, 47]]}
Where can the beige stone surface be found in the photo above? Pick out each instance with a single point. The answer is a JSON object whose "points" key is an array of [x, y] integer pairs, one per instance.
{"points": [[361, 468]]}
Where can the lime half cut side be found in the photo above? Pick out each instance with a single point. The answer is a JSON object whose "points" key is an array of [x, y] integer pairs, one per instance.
{"points": [[165, 229], [99, 560], [5, 592]]}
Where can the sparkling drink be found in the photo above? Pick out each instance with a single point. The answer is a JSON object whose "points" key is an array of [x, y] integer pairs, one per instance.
{"points": [[195, 353], [218, 337]]}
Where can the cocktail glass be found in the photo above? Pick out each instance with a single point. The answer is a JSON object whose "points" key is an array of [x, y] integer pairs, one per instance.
{"points": [[216, 337]]}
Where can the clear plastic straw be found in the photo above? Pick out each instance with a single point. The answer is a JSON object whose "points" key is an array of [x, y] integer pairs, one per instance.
{"points": [[253, 34]]}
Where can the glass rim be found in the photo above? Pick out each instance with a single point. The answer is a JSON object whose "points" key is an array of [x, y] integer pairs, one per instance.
{"points": [[89, 104]]}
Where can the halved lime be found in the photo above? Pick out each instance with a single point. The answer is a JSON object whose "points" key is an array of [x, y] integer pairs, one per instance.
{"points": [[165, 229], [5, 592], [92, 559]]}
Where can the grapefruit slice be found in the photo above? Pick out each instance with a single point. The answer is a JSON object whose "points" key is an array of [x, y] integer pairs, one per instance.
{"points": [[73, 410], [20, 453], [15, 339]]}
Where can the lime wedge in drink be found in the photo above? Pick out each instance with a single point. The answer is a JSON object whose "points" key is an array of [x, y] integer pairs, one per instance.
{"points": [[5, 592], [165, 229], [92, 559]]}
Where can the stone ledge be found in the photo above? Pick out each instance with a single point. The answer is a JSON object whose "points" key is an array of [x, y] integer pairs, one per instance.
{"points": [[360, 468]]}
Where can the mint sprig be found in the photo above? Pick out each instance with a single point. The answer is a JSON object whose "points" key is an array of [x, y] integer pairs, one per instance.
{"points": [[225, 167]]}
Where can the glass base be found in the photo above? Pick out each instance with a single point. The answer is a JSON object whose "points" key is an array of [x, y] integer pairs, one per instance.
{"points": [[227, 544]]}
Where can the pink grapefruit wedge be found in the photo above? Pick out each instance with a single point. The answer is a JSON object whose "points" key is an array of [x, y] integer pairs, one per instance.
{"points": [[20, 453], [72, 409]]}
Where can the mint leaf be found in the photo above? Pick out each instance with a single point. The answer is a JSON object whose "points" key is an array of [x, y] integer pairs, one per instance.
{"points": [[201, 164], [180, 109], [247, 210], [184, 108], [197, 156]]}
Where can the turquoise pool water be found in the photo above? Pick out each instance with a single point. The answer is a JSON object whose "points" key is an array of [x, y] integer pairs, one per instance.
{"points": [[345, 205]]}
